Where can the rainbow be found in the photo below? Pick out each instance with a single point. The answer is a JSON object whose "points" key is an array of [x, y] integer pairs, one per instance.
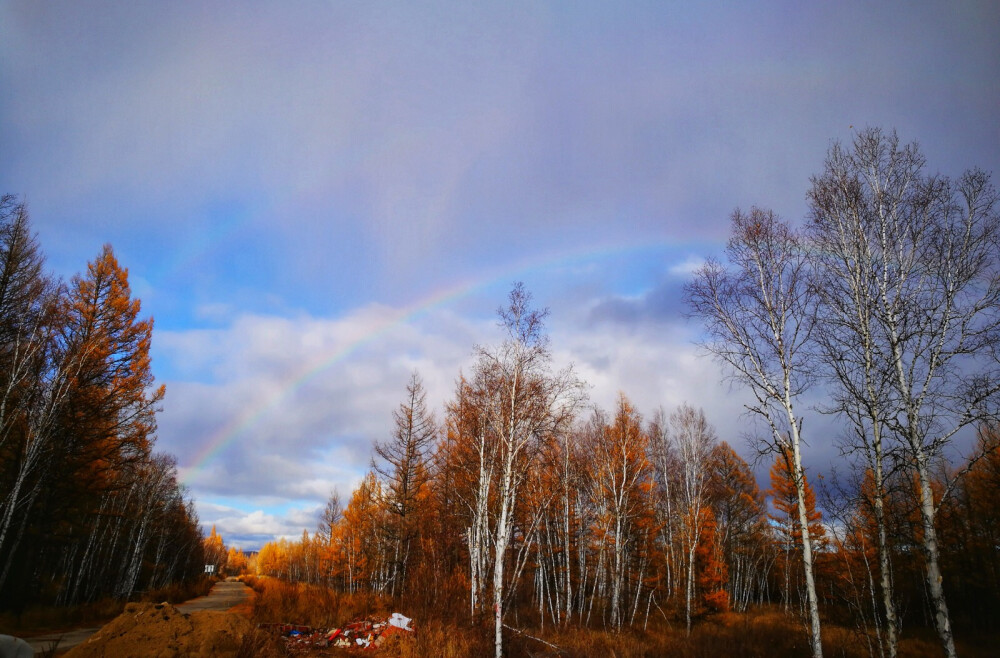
{"points": [[219, 440]]}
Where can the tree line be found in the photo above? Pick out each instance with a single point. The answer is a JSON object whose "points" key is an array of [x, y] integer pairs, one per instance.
{"points": [[88, 509], [526, 502]]}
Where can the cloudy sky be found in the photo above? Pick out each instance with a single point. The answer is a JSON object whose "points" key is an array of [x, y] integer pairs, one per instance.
{"points": [[315, 199]]}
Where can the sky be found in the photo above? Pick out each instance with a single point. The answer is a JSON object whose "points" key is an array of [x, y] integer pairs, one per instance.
{"points": [[316, 199]]}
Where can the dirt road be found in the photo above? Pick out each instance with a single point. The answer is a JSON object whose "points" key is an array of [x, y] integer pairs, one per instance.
{"points": [[224, 595]]}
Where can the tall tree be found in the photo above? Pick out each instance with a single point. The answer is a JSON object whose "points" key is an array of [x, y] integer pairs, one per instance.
{"points": [[105, 425], [693, 439], [29, 390], [759, 314], [524, 403], [467, 464], [86, 508], [919, 260], [405, 471], [740, 523], [667, 473], [111, 414]]}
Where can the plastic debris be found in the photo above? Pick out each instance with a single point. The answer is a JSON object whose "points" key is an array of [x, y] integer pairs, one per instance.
{"points": [[399, 621], [359, 634]]}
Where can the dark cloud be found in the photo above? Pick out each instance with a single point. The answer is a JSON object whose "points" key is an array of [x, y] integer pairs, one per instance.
{"points": [[663, 303], [371, 152]]}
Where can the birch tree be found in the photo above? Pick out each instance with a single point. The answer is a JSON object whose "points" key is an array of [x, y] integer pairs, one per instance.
{"points": [[525, 403], [920, 257], [26, 333], [467, 461], [693, 439], [759, 314], [621, 483], [665, 467], [851, 338]]}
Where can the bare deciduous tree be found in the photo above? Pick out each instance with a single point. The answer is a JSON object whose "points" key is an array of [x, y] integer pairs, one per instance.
{"points": [[911, 268], [759, 314], [523, 404], [694, 439]]}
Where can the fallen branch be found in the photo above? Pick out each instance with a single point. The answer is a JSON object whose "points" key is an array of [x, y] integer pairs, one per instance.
{"points": [[532, 637]]}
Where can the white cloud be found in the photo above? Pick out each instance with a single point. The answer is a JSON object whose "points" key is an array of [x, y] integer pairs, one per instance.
{"points": [[290, 407], [687, 267], [248, 530], [293, 445], [299, 402]]}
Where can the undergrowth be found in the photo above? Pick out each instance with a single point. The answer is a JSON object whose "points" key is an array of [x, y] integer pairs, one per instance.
{"points": [[179, 592], [763, 632]]}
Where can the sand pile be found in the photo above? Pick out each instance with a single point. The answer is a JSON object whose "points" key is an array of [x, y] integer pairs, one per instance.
{"points": [[161, 630]]}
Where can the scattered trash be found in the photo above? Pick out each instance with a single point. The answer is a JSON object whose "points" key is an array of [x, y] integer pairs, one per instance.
{"points": [[358, 634], [399, 621]]}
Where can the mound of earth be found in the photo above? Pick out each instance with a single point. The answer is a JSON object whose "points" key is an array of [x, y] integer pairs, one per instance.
{"points": [[161, 630]]}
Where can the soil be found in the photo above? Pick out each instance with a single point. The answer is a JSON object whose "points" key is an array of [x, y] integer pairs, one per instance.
{"points": [[163, 631]]}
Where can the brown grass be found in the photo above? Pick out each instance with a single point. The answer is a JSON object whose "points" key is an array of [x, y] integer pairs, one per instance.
{"points": [[180, 592], [765, 632], [280, 602], [760, 633]]}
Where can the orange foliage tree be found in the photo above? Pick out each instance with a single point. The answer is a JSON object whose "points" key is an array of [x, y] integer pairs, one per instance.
{"points": [[236, 561], [711, 571], [215, 551], [741, 526], [785, 501], [621, 480], [87, 509]]}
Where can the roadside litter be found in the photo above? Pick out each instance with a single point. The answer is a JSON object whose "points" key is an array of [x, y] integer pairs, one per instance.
{"points": [[370, 633]]}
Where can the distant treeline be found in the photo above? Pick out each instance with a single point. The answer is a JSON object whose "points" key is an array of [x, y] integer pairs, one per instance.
{"points": [[87, 509]]}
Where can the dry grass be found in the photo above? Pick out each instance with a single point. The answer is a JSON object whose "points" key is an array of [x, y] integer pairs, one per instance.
{"points": [[766, 632], [280, 602], [180, 592], [761, 633], [261, 644]]}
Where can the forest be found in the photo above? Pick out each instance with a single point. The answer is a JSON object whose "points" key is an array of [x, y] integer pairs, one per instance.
{"points": [[523, 516], [88, 509], [521, 506]]}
